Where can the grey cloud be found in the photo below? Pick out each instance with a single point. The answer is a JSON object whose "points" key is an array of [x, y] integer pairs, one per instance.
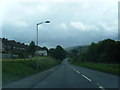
{"points": [[21, 19]]}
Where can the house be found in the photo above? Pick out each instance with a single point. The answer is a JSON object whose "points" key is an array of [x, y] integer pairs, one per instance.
{"points": [[11, 48], [42, 52]]}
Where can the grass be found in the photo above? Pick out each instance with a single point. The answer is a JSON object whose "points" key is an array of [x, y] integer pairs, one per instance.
{"points": [[15, 69], [108, 68]]}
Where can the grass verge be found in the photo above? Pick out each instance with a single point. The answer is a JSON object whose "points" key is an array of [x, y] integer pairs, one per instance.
{"points": [[108, 68], [15, 69]]}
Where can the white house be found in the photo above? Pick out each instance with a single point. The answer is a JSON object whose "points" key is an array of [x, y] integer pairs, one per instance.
{"points": [[42, 52]]}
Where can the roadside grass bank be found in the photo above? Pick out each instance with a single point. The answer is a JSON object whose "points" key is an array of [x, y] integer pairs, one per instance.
{"points": [[107, 68], [16, 69]]}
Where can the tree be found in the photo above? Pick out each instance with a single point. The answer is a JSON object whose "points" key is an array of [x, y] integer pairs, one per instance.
{"points": [[59, 53], [106, 51], [75, 52], [51, 52], [103, 57], [31, 48]]}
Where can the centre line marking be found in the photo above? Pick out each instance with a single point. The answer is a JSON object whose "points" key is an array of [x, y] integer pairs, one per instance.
{"points": [[77, 71], [86, 78], [101, 87]]}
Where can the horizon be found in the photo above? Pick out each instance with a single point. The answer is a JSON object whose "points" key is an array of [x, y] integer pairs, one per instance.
{"points": [[58, 44]]}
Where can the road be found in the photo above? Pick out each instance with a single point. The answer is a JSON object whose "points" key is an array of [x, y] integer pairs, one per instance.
{"points": [[69, 76]]}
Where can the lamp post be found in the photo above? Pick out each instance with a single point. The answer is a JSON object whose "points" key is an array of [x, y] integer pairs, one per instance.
{"points": [[37, 41]]}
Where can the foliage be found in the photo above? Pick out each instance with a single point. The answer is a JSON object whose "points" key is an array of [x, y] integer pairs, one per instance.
{"points": [[106, 51], [74, 53], [31, 48], [58, 53], [51, 52]]}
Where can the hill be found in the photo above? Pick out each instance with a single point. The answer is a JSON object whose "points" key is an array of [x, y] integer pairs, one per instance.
{"points": [[80, 48]]}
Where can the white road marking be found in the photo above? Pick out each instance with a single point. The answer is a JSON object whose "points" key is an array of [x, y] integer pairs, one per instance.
{"points": [[73, 69], [86, 78], [77, 71], [101, 87]]}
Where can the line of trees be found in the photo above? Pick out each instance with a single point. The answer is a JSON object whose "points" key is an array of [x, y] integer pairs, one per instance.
{"points": [[106, 51], [22, 50], [58, 53]]}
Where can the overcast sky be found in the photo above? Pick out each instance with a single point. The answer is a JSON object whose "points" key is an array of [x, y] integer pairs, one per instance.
{"points": [[72, 23]]}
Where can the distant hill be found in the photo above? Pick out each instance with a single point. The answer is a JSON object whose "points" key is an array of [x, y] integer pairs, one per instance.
{"points": [[80, 49]]}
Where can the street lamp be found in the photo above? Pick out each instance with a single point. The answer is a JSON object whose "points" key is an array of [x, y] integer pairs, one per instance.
{"points": [[37, 40]]}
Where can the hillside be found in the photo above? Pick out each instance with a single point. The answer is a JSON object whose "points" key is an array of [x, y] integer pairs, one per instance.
{"points": [[80, 49]]}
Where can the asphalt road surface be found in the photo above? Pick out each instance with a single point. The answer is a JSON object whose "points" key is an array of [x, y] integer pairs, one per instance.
{"points": [[68, 76]]}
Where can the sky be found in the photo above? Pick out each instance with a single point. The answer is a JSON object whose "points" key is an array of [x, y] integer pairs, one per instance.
{"points": [[72, 22]]}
